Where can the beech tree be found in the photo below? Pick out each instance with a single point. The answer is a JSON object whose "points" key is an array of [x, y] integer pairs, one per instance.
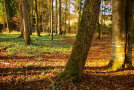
{"points": [[75, 65], [122, 34], [59, 19], [26, 21]]}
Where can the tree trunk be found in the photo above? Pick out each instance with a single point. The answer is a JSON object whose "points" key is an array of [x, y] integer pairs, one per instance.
{"points": [[7, 19], [65, 18], [26, 21], [118, 35], [36, 17], [98, 30], [59, 19], [31, 18], [129, 30], [21, 21], [56, 16], [75, 65], [80, 8], [69, 27], [52, 20]]}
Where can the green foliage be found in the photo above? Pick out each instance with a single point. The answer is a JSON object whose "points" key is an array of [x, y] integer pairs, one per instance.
{"points": [[38, 46], [11, 6]]}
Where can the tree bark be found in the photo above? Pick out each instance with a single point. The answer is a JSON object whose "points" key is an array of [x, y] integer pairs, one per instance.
{"points": [[7, 19], [69, 27], [52, 20], [56, 15], [65, 18], [75, 65], [129, 30], [36, 17], [59, 19], [118, 35], [26, 21], [21, 21]]}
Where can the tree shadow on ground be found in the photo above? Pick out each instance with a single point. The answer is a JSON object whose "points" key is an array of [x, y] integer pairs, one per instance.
{"points": [[93, 78]]}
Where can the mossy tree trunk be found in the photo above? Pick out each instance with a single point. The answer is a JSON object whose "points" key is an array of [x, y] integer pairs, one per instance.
{"points": [[118, 35], [129, 30], [26, 21], [75, 65]]}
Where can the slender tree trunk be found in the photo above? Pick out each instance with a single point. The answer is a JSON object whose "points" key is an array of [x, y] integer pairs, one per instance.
{"points": [[52, 20], [31, 18], [37, 24], [65, 18], [21, 21], [56, 15], [26, 21], [7, 19], [86, 29], [129, 30], [69, 27], [118, 35], [59, 19], [49, 29], [98, 29]]}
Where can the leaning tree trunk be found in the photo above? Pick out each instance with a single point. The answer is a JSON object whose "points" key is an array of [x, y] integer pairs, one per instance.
{"points": [[7, 19], [26, 21], [118, 35], [75, 65], [129, 30], [37, 24]]}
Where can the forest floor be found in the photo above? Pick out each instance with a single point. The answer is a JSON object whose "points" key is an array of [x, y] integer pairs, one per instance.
{"points": [[38, 66]]}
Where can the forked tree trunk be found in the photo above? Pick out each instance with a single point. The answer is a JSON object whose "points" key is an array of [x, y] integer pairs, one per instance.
{"points": [[26, 21], [75, 65], [129, 30], [118, 35]]}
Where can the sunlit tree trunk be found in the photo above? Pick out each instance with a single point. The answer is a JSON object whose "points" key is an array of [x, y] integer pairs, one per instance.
{"points": [[52, 20], [86, 29], [118, 35], [129, 30], [26, 21], [7, 19], [65, 18], [36, 17], [59, 19]]}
